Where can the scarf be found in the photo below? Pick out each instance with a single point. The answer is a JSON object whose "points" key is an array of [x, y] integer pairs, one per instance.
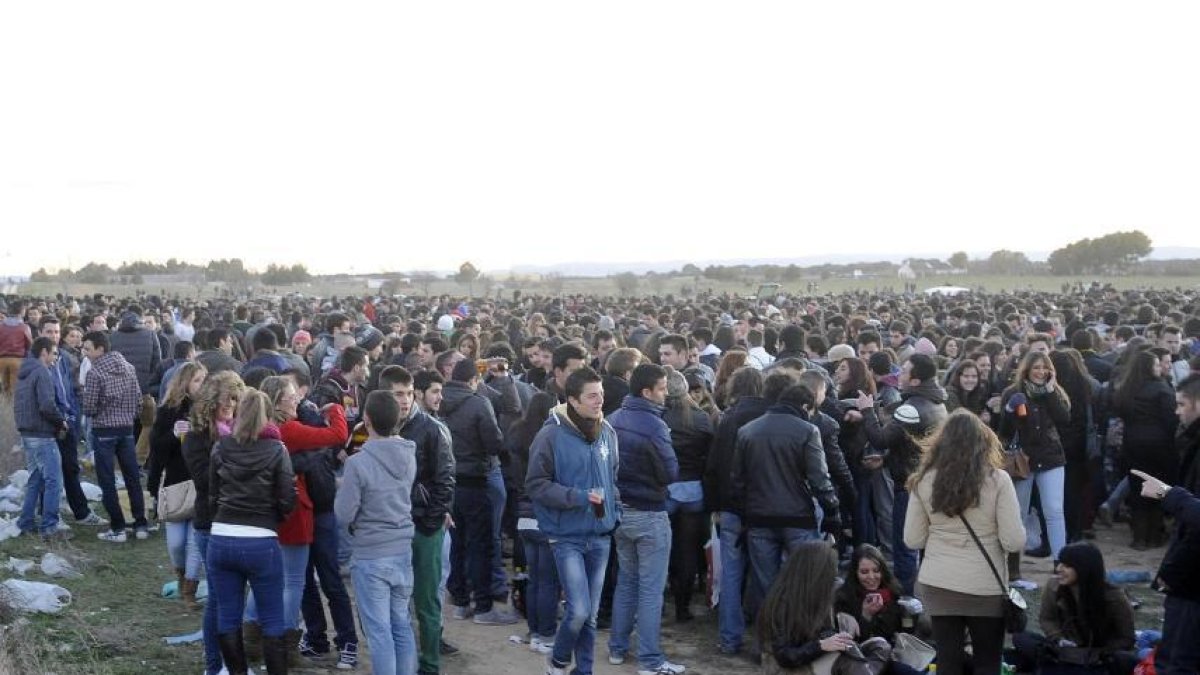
{"points": [[589, 428], [1034, 389]]}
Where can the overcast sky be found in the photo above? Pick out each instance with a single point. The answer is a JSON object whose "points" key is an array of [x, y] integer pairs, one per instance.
{"points": [[406, 135]]}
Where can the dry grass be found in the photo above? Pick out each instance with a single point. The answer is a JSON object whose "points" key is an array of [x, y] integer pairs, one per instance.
{"points": [[9, 461]]}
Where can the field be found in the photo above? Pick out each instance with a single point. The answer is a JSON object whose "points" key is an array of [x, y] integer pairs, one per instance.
{"points": [[658, 285]]}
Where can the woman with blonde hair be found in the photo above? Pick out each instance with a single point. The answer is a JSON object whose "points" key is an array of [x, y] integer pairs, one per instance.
{"points": [[168, 468], [251, 491], [1031, 411], [210, 419], [958, 494]]}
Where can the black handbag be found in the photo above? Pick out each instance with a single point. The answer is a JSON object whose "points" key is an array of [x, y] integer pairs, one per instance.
{"points": [[1014, 603]]}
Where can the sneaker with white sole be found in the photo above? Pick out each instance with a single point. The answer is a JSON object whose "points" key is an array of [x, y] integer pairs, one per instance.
{"points": [[552, 669], [666, 668], [141, 533], [348, 656], [92, 519], [112, 536], [496, 617], [616, 659], [462, 612], [537, 645]]}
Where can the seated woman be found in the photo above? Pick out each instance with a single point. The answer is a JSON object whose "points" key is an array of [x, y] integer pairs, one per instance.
{"points": [[870, 595], [1088, 623], [796, 625]]}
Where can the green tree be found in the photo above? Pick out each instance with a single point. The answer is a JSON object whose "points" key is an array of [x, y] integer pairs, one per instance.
{"points": [[627, 284], [1114, 252], [958, 261], [467, 274]]}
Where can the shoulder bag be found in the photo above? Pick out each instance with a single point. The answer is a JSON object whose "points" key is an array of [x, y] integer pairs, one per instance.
{"points": [[177, 502], [1016, 462], [1014, 602]]}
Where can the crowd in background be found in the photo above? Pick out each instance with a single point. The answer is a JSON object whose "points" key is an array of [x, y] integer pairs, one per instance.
{"points": [[503, 455]]}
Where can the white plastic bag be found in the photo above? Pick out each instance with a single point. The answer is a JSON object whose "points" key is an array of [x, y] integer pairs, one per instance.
{"points": [[712, 554], [12, 493], [9, 507], [9, 529], [91, 491], [19, 478], [18, 565], [34, 596], [54, 565]]}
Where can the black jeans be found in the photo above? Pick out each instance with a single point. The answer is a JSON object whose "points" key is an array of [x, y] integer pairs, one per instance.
{"points": [[687, 539], [987, 643], [471, 548], [323, 565], [68, 449], [1179, 651]]}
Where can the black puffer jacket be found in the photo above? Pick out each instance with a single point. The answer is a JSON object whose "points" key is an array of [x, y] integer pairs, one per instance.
{"points": [[691, 441], [475, 433], [1038, 429], [166, 456], [251, 484], [433, 488], [718, 485], [779, 465], [1179, 565], [140, 348]]}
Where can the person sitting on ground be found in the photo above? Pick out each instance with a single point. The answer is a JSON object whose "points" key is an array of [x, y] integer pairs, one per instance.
{"points": [[1085, 620], [796, 623], [870, 594]]}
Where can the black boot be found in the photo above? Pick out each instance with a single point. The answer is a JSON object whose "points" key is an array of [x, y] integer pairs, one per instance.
{"points": [[275, 654], [233, 652]]}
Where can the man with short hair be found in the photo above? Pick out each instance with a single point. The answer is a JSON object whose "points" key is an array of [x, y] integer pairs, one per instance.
{"points": [[265, 347], [111, 397], [1172, 341], [428, 391], [900, 340], [572, 482], [375, 504], [603, 344], [710, 354], [565, 360], [616, 379], [138, 345], [1179, 650], [869, 343], [40, 423], [921, 411], [643, 538], [66, 397], [431, 345], [15, 340], [345, 383], [477, 441], [217, 354], [324, 354]]}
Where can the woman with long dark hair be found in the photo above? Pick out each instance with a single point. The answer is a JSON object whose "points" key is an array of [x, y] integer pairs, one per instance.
{"points": [[1080, 389], [874, 486], [870, 594], [691, 437], [961, 482], [542, 588], [796, 626], [1146, 405], [968, 389], [1085, 620]]}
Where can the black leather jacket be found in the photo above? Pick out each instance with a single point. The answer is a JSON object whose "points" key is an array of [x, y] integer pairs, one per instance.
{"points": [[251, 484], [718, 482], [778, 468], [433, 488]]}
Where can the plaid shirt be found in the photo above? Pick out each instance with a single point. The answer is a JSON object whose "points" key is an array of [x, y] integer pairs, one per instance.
{"points": [[111, 395]]}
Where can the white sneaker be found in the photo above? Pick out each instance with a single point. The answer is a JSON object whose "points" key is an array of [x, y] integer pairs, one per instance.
{"points": [[141, 533], [667, 668], [112, 537], [551, 669], [616, 659], [536, 645], [93, 519]]}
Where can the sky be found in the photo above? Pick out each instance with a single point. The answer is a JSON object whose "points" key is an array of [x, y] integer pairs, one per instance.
{"points": [[366, 136]]}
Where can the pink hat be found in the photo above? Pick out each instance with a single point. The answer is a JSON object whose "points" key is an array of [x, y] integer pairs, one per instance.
{"points": [[925, 346], [301, 336]]}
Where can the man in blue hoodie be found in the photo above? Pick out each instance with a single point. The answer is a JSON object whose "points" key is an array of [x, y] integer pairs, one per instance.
{"points": [[572, 482], [40, 423], [375, 505], [644, 538]]}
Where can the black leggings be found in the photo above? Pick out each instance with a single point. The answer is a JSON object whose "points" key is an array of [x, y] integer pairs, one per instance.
{"points": [[687, 540], [987, 643]]}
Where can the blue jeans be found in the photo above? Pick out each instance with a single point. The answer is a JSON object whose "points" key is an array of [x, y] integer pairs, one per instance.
{"points": [[45, 477], [730, 619], [212, 648], [904, 558], [295, 564], [542, 591], [181, 548], [112, 450], [323, 557], [382, 587], [581, 564], [769, 546], [498, 496], [643, 551], [234, 561], [1050, 484], [471, 549]]}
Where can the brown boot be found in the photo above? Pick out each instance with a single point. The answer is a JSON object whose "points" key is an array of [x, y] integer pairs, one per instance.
{"points": [[252, 638], [189, 594], [291, 644], [179, 579]]}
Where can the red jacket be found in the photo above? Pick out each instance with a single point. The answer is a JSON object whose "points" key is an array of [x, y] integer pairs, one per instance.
{"points": [[299, 437]]}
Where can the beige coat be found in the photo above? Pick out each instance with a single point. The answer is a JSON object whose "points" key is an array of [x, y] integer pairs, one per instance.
{"points": [[952, 560]]}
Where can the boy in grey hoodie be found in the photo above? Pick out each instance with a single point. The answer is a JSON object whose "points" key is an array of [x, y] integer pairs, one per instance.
{"points": [[374, 505]]}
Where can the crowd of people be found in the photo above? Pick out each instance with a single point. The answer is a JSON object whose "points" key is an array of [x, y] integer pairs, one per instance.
{"points": [[566, 460]]}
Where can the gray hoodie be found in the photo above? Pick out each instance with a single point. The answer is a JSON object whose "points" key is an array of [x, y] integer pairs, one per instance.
{"points": [[375, 499]]}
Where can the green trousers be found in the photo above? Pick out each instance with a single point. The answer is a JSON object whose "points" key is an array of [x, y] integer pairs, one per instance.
{"points": [[427, 576]]}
